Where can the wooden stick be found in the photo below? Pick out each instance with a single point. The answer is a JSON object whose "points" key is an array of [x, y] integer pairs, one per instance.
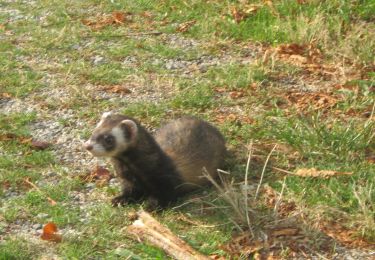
{"points": [[148, 229]]}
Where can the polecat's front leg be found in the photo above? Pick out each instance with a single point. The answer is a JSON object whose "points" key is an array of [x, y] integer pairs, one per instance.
{"points": [[131, 193]]}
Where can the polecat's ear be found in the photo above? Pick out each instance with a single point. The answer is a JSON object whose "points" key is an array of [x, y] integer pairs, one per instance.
{"points": [[130, 128], [106, 114]]}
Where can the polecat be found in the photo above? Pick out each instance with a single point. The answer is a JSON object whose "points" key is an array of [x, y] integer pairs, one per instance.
{"points": [[157, 169]]}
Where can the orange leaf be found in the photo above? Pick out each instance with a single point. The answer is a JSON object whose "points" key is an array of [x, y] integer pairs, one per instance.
{"points": [[50, 233], [100, 175], [116, 89], [236, 94], [50, 228], [6, 95], [119, 17]]}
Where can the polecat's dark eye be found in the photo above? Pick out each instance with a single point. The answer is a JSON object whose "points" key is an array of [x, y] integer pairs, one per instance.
{"points": [[108, 140]]}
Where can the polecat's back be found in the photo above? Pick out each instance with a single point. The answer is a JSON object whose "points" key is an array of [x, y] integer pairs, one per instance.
{"points": [[192, 144]]}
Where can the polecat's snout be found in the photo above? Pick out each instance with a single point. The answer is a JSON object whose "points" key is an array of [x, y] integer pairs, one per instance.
{"points": [[88, 146]]}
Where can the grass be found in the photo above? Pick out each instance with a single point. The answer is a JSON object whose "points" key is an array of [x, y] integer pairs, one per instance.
{"points": [[47, 48]]}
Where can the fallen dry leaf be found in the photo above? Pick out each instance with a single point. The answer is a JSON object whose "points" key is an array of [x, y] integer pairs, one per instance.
{"points": [[285, 232], [271, 197], [5, 184], [221, 117], [238, 15], [99, 175], [25, 140], [299, 54], [184, 27], [292, 48], [312, 172], [370, 159], [39, 145], [8, 137], [99, 22], [220, 89], [236, 94], [35, 144], [348, 237], [217, 257], [298, 59], [118, 89], [241, 13], [6, 95], [147, 14], [50, 233], [243, 245], [118, 17], [302, 101]]}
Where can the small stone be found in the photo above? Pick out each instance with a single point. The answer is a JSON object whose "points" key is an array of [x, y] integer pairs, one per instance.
{"points": [[203, 69], [90, 186], [156, 62], [42, 215], [37, 226], [113, 181], [75, 47], [97, 60], [51, 174], [170, 66], [129, 60]]}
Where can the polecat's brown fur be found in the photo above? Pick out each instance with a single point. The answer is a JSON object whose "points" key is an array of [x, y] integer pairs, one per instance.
{"points": [[162, 168], [193, 145]]}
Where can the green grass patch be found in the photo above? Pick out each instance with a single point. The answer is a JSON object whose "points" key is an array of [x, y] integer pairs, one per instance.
{"points": [[235, 76], [317, 140], [195, 98], [16, 123], [18, 79], [18, 249]]}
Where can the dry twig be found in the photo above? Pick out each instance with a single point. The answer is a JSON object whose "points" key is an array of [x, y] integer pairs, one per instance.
{"points": [[146, 228]]}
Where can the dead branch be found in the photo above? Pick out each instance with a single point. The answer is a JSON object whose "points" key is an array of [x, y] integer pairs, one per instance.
{"points": [[148, 229]]}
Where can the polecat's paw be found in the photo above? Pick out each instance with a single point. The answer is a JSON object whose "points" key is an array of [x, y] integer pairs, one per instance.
{"points": [[151, 204], [120, 200]]}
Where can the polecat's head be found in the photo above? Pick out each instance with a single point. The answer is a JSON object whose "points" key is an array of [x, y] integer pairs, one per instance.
{"points": [[113, 134]]}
